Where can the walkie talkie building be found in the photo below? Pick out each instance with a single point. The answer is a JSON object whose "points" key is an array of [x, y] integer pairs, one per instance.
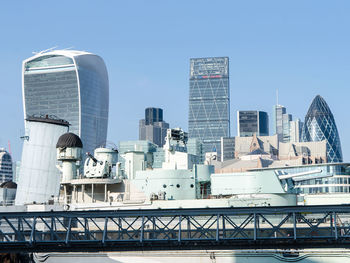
{"points": [[209, 101], [71, 85]]}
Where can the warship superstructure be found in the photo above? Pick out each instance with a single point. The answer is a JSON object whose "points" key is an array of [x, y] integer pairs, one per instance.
{"points": [[181, 182]]}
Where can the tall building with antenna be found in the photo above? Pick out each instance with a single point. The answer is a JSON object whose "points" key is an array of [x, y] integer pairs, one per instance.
{"points": [[71, 85], [286, 129], [278, 112]]}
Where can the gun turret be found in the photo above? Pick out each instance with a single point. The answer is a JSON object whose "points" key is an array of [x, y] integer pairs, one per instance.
{"points": [[101, 165], [93, 158]]}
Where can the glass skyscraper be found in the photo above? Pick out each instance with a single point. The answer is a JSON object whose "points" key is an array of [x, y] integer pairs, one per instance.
{"points": [[295, 130], [286, 119], [153, 115], [320, 125], [209, 101], [278, 111], [152, 127], [6, 172], [252, 122], [282, 123], [71, 85]]}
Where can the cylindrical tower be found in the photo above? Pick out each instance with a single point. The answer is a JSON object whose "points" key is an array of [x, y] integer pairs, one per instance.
{"points": [[39, 179]]}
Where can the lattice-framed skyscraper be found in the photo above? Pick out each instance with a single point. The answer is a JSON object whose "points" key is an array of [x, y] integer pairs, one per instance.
{"points": [[209, 101], [320, 125]]}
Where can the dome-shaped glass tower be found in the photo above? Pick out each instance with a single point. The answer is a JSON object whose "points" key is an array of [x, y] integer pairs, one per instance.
{"points": [[319, 125]]}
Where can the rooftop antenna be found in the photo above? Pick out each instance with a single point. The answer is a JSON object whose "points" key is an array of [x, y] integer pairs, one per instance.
{"points": [[44, 51], [9, 144]]}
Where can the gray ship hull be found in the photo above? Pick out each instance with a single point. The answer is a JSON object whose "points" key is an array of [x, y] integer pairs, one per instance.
{"points": [[202, 256]]}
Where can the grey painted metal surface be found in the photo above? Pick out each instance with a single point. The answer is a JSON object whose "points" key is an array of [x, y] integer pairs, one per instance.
{"points": [[39, 179]]}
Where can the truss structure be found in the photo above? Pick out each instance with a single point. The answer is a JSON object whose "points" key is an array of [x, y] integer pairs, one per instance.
{"points": [[224, 228]]}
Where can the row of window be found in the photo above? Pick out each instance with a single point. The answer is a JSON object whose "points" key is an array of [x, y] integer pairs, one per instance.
{"points": [[330, 180], [329, 189]]}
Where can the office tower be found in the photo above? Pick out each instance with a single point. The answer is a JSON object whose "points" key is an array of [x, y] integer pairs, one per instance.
{"points": [[281, 123], [6, 173], [153, 128], [16, 168], [195, 147], [147, 147], [278, 112], [153, 115], [286, 119], [320, 125], [295, 130], [252, 122], [227, 148], [209, 101], [71, 85], [158, 158]]}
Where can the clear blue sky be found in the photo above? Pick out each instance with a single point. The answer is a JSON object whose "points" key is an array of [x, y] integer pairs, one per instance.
{"points": [[301, 48]]}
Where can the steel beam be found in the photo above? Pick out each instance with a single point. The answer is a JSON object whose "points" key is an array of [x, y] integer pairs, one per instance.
{"points": [[219, 228]]}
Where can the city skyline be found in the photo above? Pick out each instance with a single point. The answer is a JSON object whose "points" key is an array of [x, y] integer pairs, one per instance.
{"points": [[301, 49]]}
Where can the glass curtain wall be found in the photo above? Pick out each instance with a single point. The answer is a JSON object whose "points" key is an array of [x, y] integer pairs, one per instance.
{"points": [[209, 101]]}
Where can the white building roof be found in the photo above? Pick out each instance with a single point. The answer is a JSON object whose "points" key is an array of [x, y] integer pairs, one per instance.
{"points": [[62, 52]]}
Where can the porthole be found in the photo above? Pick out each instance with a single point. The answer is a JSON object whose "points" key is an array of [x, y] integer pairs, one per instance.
{"points": [[178, 186], [164, 185], [192, 185]]}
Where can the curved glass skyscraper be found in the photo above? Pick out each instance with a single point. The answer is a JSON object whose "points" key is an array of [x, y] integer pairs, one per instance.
{"points": [[72, 85], [319, 125]]}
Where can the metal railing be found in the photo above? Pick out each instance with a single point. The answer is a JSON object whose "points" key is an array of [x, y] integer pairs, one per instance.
{"points": [[219, 228]]}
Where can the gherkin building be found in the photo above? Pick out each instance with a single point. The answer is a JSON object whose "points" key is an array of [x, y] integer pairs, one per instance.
{"points": [[319, 125]]}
